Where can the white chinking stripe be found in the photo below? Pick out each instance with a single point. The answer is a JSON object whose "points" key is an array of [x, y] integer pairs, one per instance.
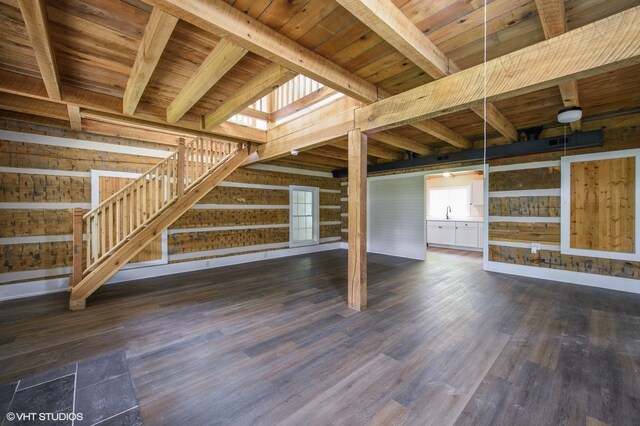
{"points": [[44, 206], [551, 247], [81, 144], [526, 193], [331, 207], [525, 219], [48, 172], [523, 166], [240, 207]]}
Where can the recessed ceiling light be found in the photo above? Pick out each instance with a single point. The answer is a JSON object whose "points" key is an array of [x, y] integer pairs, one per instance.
{"points": [[294, 152], [446, 174]]}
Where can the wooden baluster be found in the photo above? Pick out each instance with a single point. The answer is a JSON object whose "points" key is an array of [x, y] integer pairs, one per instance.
{"points": [[200, 159], [145, 196], [88, 241], [76, 275], [103, 240], [181, 160], [95, 237], [125, 215], [110, 226], [118, 222]]}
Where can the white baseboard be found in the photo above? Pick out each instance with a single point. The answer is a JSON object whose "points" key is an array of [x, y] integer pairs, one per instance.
{"points": [[592, 280], [478, 249], [54, 285]]}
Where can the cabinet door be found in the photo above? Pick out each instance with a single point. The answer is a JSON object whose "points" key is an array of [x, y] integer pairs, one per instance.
{"points": [[480, 236], [440, 235], [477, 192], [466, 237]]}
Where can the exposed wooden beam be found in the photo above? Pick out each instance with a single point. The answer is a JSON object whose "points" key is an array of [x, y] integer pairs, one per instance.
{"points": [[401, 142], [554, 22], [396, 28], [497, 121], [383, 17], [375, 150], [218, 17], [268, 80], [155, 39], [614, 42], [34, 14], [74, 117], [39, 107], [98, 103], [302, 103], [222, 58], [318, 160], [331, 128], [444, 133], [357, 191]]}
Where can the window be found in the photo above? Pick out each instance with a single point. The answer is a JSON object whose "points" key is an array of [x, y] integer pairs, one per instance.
{"points": [[303, 216], [456, 198]]}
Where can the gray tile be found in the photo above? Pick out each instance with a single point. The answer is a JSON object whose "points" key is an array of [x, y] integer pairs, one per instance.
{"points": [[46, 376], [105, 399], [54, 396], [103, 368], [128, 418], [6, 394]]}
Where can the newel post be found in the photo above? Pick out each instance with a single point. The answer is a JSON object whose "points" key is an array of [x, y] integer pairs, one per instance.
{"points": [[76, 276], [181, 151]]}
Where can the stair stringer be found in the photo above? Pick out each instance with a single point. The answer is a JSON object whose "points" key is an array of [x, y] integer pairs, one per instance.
{"points": [[108, 268]]}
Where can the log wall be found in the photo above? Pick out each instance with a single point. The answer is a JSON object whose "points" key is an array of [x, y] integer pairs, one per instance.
{"points": [[41, 182]]}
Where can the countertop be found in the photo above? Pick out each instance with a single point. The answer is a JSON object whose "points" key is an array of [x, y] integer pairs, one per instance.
{"points": [[456, 219]]}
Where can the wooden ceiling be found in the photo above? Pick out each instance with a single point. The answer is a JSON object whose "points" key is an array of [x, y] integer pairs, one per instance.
{"points": [[95, 44]]}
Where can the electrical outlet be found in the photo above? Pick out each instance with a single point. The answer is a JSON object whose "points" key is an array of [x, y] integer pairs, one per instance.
{"points": [[535, 247]]}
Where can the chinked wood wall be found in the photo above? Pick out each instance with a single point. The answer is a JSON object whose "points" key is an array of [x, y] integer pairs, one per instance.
{"points": [[40, 182], [524, 207]]}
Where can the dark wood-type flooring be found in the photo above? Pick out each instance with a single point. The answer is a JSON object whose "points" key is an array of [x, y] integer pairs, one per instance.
{"points": [[272, 342]]}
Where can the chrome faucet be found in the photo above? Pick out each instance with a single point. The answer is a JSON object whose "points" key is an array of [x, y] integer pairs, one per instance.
{"points": [[448, 211]]}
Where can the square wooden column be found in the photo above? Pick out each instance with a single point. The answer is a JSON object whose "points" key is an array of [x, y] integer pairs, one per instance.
{"points": [[357, 273]]}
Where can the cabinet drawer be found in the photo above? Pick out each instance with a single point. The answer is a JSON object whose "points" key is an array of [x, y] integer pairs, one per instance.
{"points": [[472, 225], [443, 224]]}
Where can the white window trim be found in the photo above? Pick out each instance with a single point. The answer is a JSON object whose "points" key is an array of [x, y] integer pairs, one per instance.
{"points": [[95, 198], [316, 216], [565, 204]]}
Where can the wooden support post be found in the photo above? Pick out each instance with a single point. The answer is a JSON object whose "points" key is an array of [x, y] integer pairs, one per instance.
{"points": [[181, 163], [76, 274], [357, 264]]}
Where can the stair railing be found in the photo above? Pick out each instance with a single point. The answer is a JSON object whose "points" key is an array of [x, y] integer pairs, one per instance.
{"points": [[115, 220]]}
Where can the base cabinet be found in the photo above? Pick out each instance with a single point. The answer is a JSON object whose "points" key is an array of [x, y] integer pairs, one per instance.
{"points": [[455, 233]]}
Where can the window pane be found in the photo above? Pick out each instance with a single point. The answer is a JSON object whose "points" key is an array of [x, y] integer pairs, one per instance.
{"points": [[308, 198], [309, 234]]}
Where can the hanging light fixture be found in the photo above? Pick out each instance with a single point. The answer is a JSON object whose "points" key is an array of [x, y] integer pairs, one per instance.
{"points": [[569, 115]]}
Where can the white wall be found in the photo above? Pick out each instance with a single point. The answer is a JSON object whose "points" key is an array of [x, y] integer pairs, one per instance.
{"points": [[396, 216]]}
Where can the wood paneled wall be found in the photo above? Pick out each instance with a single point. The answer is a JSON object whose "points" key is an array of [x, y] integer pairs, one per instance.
{"points": [[39, 183], [526, 217]]}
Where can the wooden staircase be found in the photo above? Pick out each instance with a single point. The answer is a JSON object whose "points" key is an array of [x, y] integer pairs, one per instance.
{"points": [[125, 223]]}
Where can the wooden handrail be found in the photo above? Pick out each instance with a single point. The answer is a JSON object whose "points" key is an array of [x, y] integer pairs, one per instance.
{"points": [[123, 214]]}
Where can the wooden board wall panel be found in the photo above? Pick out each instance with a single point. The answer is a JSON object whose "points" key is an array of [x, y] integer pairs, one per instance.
{"points": [[202, 241], [556, 260], [542, 206], [27, 223], [548, 233], [205, 218], [327, 215], [28, 257], [513, 180], [603, 205], [279, 178], [24, 187], [232, 195], [17, 154]]}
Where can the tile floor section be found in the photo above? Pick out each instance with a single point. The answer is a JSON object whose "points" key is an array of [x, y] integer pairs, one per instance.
{"points": [[96, 391]]}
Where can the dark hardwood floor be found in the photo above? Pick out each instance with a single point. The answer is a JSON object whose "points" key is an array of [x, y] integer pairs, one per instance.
{"points": [[443, 342]]}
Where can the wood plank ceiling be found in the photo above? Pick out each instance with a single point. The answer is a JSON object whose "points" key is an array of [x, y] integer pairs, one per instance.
{"points": [[90, 50]]}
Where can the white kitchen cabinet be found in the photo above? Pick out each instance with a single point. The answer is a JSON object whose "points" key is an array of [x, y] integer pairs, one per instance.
{"points": [[480, 235], [477, 192], [466, 234], [441, 232]]}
